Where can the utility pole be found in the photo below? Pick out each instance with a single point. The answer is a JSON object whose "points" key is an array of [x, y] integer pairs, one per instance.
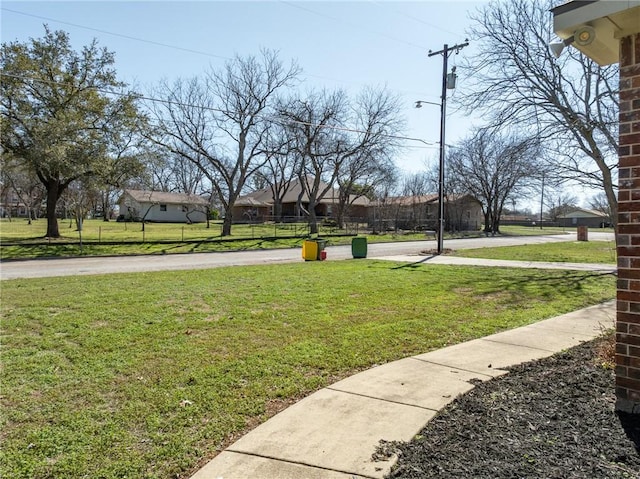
{"points": [[542, 200], [445, 52]]}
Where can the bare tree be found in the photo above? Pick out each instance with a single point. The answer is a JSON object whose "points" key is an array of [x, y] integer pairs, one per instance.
{"points": [[219, 123], [570, 102], [375, 113], [282, 167], [124, 160], [78, 201], [20, 183], [416, 184], [360, 177], [411, 210], [493, 167], [382, 208], [453, 189], [599, 203], [314, 125], [330, 132], [559, 204]]}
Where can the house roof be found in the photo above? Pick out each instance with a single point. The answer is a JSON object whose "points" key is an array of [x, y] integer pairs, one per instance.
{"points": [[250, 201], [583, 213], [145, 196], [413, 200], [427, 199], [265, 195]]}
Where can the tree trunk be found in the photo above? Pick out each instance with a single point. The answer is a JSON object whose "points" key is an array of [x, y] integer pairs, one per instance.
{"points": [[313, 223], [340, 218], [226, 224], [52, 201], [496, 225], [313, 220], [104, 199], [613, 204], [277, 210]]}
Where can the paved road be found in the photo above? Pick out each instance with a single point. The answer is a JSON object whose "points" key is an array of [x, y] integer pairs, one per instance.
{"points": [[132, 264]]}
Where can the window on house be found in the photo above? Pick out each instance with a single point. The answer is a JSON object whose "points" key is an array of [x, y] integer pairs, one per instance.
{"points": [[163, 207], [185, 209]]}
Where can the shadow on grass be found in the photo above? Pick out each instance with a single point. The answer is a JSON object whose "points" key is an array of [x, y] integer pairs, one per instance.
{"points": [[415, 264], [549, 282]]}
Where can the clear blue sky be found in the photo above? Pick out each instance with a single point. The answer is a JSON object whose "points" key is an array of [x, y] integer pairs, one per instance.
{"points": [[338, 44]]}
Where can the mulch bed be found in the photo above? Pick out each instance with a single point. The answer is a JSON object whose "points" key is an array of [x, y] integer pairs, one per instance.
{"points": [[552, 418]]}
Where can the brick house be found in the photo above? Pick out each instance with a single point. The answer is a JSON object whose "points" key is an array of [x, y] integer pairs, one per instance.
{"points": [[609, 32], [419, 212], [260, 202]]}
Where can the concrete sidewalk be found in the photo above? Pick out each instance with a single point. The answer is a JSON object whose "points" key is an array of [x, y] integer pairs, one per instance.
{"points": [[334, 432]]}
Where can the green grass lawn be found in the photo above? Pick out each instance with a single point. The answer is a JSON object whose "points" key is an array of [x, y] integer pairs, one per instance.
{"points": [[513, 230], [98, 230], [20, 240], [148, 375], [571, 252]]}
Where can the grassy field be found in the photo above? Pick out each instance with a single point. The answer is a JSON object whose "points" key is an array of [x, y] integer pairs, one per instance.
{"points": [[19, 240], [98, 230], [148, 375], [22, 241], [571, 252]]}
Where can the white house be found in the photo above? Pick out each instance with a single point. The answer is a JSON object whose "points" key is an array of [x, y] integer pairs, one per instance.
{"points": [[162, 207]]}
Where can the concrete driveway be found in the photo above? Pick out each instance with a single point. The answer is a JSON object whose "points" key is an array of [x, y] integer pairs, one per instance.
{"points": [[38, 268]]}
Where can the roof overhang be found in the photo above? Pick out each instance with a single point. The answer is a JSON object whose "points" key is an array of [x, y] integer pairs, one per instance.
{"points": [[610, 20]]}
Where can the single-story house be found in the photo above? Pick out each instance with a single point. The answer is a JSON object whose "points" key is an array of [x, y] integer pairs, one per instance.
{"points": [[249, 209], [162, 207], [12, 204], [461, 212], [584, 217], [262, 203]]}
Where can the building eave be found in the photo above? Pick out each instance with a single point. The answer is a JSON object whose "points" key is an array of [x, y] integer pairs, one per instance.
{"points": [[611, 21]]}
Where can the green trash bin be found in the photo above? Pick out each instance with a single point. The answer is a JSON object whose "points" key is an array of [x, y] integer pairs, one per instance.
{"points": [[359, 247]]}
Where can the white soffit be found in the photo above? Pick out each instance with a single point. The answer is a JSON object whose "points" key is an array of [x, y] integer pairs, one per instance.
{"points": [[611, 19]]}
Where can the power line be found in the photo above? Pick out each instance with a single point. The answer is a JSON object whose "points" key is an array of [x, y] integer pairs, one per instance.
{"points": [[411, 17], [121, 35], [272, 119], [175, 47], [353, 25]]}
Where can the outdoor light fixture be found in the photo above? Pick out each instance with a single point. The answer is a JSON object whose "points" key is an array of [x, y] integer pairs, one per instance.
{"points": [[420, 102], [557, 47], [583, 36]]}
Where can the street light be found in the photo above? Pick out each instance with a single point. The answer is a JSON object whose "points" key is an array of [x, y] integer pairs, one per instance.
{"points": [[420, 102]]}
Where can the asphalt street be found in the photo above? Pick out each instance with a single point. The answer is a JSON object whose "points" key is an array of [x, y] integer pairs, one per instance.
{"points": [[37, 268]]}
